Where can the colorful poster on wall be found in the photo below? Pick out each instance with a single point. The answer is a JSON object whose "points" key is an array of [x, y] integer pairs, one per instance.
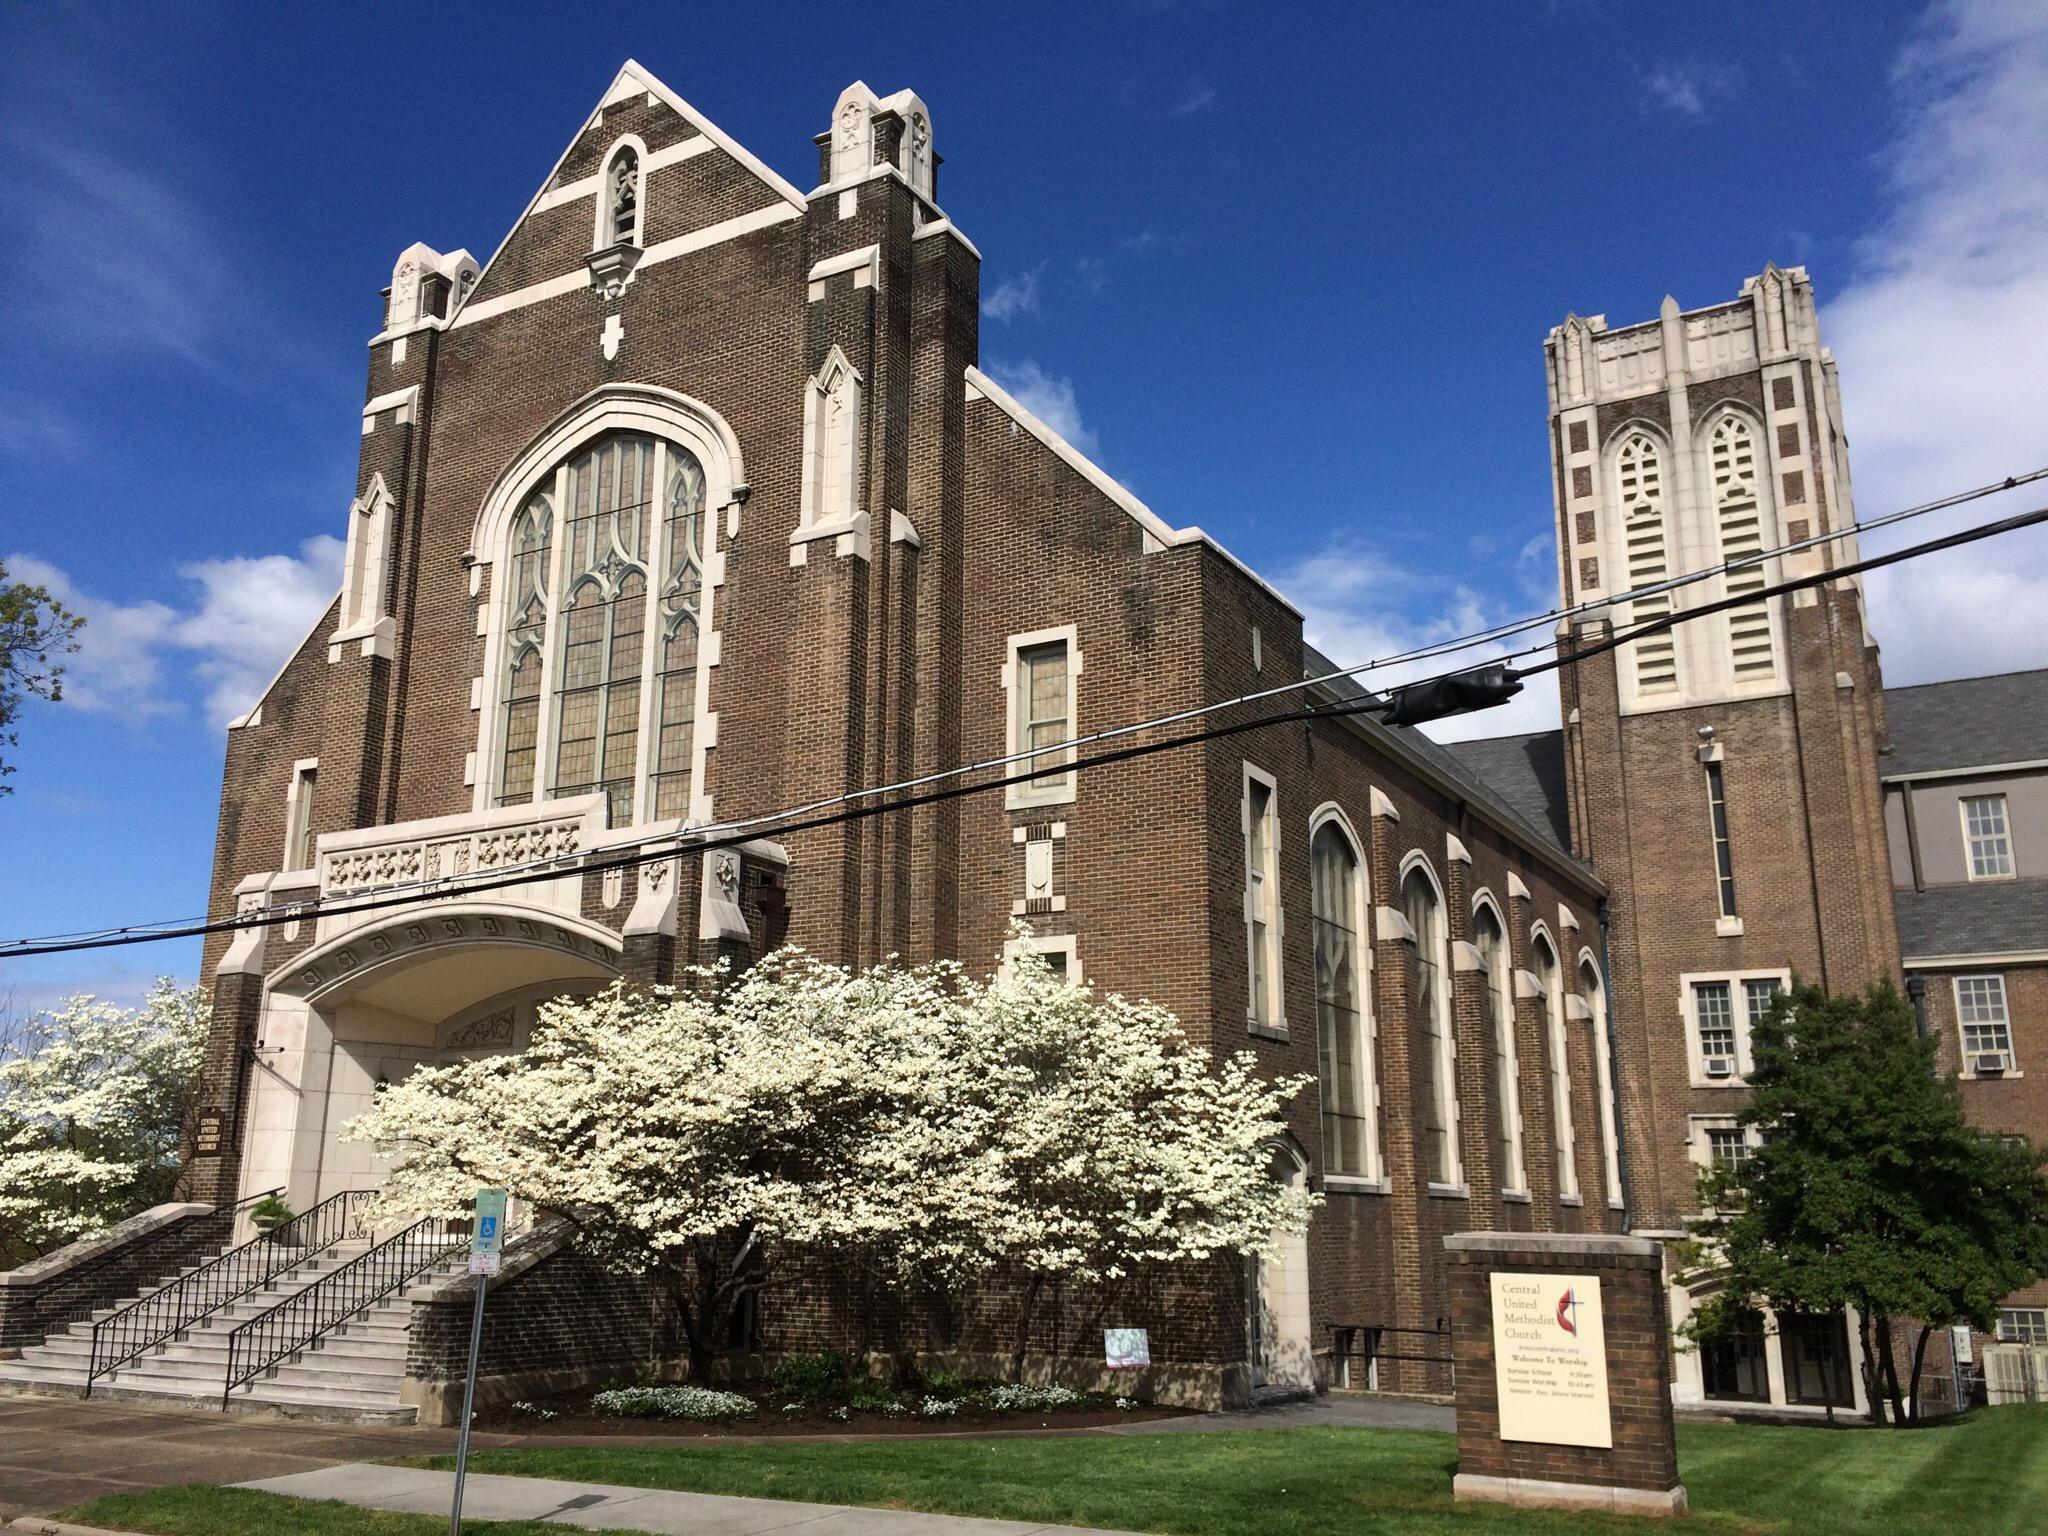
{"points": [[1126, 1349], [1550, 1360]]}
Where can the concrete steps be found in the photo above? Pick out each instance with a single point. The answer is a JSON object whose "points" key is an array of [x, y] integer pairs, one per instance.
{"points": [[353, 1374]]}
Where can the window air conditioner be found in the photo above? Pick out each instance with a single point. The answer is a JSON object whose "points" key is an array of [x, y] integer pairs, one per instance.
{"points": [[1991, 1063], [1719, 1066]]}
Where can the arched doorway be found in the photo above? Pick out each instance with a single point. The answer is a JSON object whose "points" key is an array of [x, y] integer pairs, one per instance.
{"points": [[1281, 1359]]}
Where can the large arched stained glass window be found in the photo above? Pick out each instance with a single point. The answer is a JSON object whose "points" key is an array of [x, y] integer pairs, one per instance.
{"points": [[578, 641]]}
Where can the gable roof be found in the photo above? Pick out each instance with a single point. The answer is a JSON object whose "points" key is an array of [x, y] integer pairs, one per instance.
{"points": [[1989, 918], [1527, 771], [1967, 722]]}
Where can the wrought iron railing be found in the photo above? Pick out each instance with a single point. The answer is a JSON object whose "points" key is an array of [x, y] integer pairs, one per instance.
{"points": [[300, 1321], [1367, 1343], [142, 1325], [86, 1288]]}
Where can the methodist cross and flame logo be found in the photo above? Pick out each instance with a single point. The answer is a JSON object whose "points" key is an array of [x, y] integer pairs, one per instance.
{"points": [[1568, 1311]]}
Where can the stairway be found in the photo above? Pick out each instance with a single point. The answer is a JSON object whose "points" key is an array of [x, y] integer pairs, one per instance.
{"points": [[352, 1374]]}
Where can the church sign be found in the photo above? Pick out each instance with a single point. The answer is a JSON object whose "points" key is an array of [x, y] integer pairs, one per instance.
{"points": [[1550, 1359], [206, 1136]]}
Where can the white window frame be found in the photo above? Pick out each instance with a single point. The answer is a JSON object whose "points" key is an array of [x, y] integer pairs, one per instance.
{"points": [[367, 553], [1738, 1003], [1055, 789], [1514, 1182], [601, 231], [1448, 1105], [2005, 1004], [1272, 1017], [1564, 1132], [2036, 1326], [1374, 1175], [1065, 944], [1700, 1147], [298, 813], [2004, 834], [1603, 1071]]}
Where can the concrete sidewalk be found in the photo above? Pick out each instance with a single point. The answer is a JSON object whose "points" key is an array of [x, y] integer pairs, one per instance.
{"points": [[602, 1506]]}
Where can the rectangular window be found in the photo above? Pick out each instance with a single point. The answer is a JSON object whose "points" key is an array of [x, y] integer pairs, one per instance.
{"points": [[1040, 678], [1758, 995], [1714, 1009], [299, 830], [2023, 1325], [1725, 1011], [1262, 898], [1816, 1351], [1724, 858], [1985, 830], [1729, 1147], [1987, 1029], [1732, 1363]]}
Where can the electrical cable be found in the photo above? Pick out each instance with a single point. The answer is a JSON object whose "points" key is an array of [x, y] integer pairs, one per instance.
{"points": [[803, 819]]}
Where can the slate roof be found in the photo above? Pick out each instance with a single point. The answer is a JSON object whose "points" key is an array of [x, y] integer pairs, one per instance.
{"points": [[1527, 772], [1447, 760], [1987, 918], [1968, 722]]}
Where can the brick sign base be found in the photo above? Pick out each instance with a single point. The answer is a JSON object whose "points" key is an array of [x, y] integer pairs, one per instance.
{"points": [[1639, 1473]]}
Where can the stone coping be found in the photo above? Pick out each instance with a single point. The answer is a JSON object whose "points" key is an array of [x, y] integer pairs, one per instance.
{"points": [[1544, 1493], [1591, 1243], [53, 1265]]}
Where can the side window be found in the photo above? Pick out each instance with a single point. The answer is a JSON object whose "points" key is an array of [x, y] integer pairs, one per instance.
{"points": [[1989, 839], [1986, 1026], [1040, 678], [299, 831], [1262, 898]]}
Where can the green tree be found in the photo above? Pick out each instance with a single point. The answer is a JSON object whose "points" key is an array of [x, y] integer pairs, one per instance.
{"points": [[92, 1101], [1870, 1190], [35, 629]]}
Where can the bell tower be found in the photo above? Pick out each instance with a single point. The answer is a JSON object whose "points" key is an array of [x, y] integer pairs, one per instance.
{"points": [[1722, 773]]}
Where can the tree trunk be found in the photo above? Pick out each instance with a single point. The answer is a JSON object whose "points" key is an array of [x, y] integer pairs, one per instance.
{"points": [[1919, 1360], [1028, 1306], [1872, 1387], [1891, 1368]]}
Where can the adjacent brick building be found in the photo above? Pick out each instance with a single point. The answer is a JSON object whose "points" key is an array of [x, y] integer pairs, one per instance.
{"points": [[1758, 804], [691, 505]]}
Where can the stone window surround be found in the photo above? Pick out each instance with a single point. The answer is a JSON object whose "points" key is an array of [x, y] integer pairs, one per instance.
{"points": [[1737, 1001], [1508, 1062], [1447, 1041], [1374, 1179], [671, 418], [1564, 1133], [298, 815], [1065, 944], [1065, 789], [1595, 1018], [1273, 1023], [601, 236]]}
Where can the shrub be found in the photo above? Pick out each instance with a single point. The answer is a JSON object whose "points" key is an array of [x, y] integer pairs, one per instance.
{"points": [[1018, 1399], [810, 1378], [706, 1404], [942, 1407], [534, 1411]]}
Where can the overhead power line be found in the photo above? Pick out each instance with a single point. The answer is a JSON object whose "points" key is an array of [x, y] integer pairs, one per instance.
{"points": [[804, 819]]}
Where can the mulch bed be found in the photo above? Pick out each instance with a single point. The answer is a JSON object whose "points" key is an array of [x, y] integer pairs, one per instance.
{"points": [[770, 1422]]}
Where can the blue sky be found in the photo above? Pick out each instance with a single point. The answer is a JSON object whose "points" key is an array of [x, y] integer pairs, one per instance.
{"points": [[1285, 270]]}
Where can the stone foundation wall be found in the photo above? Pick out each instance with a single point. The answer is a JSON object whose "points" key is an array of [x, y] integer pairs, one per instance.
{"points": [[44, 1295]]}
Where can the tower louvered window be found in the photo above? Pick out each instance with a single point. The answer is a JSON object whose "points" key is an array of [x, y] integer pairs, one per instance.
{"points": [[586, 628], [1640, 472], [1739, 516]]}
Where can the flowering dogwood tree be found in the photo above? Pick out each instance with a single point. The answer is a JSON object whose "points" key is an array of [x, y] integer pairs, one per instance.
{"points": [[92, 1099], [706, 1141], [907, 1123]]}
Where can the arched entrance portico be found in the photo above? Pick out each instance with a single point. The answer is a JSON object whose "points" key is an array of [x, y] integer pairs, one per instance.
{"points": [[365, 1007]]}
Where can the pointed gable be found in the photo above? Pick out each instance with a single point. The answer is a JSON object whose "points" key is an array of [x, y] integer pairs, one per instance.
{"points": [[698, 183]]}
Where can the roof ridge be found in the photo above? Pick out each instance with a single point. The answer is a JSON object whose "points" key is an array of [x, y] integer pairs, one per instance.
{"points": [[1974, 677]]}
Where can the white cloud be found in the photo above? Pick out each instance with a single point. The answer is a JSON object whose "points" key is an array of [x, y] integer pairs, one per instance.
{"points": [[1196, 95], [245, 615], [1942, 335], [1687, 88], [1013, 296], [1357, 606], [1048, 397]]}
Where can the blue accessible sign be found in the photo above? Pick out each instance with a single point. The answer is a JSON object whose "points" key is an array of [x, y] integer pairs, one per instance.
{"points": [[487, 1237]]}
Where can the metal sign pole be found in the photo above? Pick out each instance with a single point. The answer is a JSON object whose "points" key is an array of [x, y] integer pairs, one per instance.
{"points": [[486, 1246]]}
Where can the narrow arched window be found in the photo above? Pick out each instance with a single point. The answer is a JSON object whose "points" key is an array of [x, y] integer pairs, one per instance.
{"points": [[622, 199], [1431, 1018], [681, 616], [1739, 520], [1639, 486], [526, 622], [1550, 990], [1594, 995], [1495, 966], [1343, 1060]]}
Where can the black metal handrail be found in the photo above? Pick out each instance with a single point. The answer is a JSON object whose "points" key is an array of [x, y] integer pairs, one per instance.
{"points": [[1367, 1342], [299, 1321], [143, 1324], [83, 1280]]}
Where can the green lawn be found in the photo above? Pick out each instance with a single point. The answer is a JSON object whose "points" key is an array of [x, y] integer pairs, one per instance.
{"points": [[1987, 1476], [202, 1511]]}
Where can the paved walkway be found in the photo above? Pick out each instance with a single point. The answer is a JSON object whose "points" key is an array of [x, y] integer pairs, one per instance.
{"points": [[603, 1506]]}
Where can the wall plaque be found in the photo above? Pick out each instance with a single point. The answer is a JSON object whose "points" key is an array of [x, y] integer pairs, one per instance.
{"points": [[1550, 1359], [206, 1136]]}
